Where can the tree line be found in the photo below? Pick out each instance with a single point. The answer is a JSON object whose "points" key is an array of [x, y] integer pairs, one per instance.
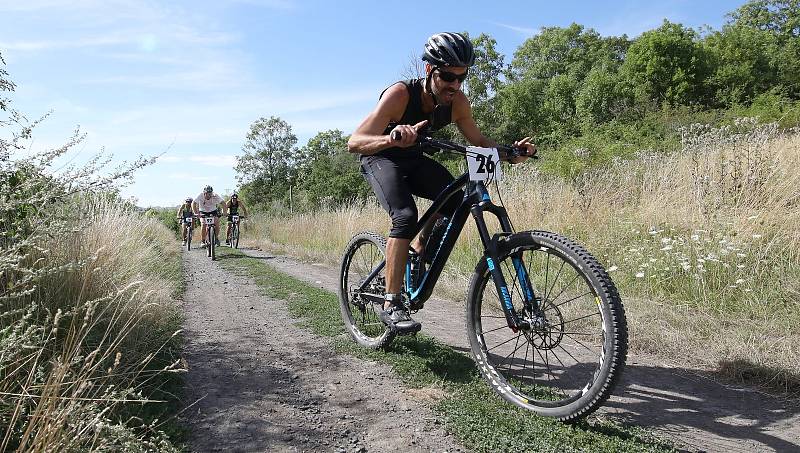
{"points": [[573, 89]]}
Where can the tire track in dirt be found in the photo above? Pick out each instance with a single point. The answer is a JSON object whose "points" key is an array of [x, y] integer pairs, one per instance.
{"points": [[683, 405], [258, 382]]}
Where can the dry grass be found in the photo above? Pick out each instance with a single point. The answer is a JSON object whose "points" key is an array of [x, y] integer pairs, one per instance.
{"points": [[704, 244], [85, 347]]}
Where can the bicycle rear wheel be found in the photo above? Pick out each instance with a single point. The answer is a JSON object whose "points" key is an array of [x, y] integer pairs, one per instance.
{"points": [[566, 364], [360, 307]]}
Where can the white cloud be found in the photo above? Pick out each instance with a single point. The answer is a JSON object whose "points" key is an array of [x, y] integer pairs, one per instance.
{"points": [[224, 160], [183, 176], [634, 23], [271, 4], [64, 44], [524, 31]]}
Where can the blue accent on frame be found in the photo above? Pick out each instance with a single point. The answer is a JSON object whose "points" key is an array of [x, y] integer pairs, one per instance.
{"points": [[408, 275], [490, 263]]}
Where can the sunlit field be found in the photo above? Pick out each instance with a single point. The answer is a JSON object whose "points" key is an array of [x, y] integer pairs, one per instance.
{"points": [[704, 244]]}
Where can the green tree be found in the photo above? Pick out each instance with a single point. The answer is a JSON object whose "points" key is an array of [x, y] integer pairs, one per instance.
{"points": [[667, 65], [599, 98], [484, 81], [572, 50], [268, 166], [743, 64], [779, 19], [332, 175], [546, 77]]}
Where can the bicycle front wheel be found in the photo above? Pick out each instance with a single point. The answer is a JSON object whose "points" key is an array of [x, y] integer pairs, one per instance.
{"points": [[212, 243], [235, 236], [359, 299], [566, 364], [189, 238]]}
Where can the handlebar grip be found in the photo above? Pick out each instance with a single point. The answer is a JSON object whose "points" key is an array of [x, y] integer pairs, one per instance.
{"points": [[395, 135]]}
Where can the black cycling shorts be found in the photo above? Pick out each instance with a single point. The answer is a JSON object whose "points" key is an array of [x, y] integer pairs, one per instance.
{"points": [[396, 180]]}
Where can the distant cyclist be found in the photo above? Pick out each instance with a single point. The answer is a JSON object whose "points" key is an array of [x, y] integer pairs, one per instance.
{"points": [[208, 204], [396, 168], [233, 206], [185, 211]]}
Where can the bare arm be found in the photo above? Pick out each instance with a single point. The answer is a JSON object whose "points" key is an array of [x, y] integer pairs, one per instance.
{"points": [[462, 116], [368, 137]]}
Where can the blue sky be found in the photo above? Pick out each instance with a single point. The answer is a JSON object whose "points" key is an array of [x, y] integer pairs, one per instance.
{"points": [[188, 77]]}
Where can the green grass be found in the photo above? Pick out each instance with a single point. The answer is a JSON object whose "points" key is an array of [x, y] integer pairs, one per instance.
{"points": [[481, 420]]}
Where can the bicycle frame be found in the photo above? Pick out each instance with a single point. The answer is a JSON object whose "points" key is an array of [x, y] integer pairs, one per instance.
{"points": [[476, 202]]}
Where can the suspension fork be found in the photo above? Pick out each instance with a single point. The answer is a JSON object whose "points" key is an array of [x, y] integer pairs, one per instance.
{"points": [[492, 262]]}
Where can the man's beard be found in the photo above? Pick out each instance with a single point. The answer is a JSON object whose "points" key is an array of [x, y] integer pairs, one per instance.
{"points": [[440, 96]]}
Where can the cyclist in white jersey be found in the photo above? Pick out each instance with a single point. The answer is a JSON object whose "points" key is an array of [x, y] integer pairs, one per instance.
{"points": [[207, 204]]}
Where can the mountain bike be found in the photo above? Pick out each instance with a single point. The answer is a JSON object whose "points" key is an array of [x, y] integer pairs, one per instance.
{"points": [[545, 322], [208, 224], [188, 225], [234, 237]]}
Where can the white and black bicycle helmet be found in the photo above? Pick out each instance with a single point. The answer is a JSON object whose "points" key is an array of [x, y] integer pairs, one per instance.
{"points": [[449, 49]]}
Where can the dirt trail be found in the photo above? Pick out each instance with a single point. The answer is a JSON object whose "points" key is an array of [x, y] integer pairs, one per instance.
{"points": [[696, 412], [257, 382]]}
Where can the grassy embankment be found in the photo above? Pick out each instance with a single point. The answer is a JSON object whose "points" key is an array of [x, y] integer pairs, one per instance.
{"points": [[704, 245], [89, 355], [481, 420]]}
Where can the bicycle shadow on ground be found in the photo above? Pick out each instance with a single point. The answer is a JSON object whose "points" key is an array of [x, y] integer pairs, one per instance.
{"points": [[687, 405], [444, 362], [703, 413]]}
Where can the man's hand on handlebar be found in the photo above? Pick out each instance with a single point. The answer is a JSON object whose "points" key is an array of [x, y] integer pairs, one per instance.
{"points": [[524, 149], [405, 135]]}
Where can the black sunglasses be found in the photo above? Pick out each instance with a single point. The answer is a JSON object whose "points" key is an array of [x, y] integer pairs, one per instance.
{"points": [[450, 77]]}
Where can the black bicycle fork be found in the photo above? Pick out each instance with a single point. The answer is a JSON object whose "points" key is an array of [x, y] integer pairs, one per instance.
{"points": [[491, 252]]}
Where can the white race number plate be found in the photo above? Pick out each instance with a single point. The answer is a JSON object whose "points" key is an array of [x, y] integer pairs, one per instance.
{"points": [[483, 164]]}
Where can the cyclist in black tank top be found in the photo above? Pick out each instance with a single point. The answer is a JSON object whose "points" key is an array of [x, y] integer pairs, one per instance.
{"points": [[397, 169]]}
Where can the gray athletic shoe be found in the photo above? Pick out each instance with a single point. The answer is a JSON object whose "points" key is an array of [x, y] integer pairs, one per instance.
{"points": [[398, 319]]}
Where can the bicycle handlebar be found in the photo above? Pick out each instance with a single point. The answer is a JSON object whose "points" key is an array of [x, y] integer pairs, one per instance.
{"points": [[510, 151]]}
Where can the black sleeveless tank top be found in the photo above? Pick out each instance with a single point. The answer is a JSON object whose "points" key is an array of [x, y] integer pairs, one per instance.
{"points": [[439, 118]]}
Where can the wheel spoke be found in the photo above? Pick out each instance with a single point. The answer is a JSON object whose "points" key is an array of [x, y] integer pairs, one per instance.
{"points": [[549, 364]]}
